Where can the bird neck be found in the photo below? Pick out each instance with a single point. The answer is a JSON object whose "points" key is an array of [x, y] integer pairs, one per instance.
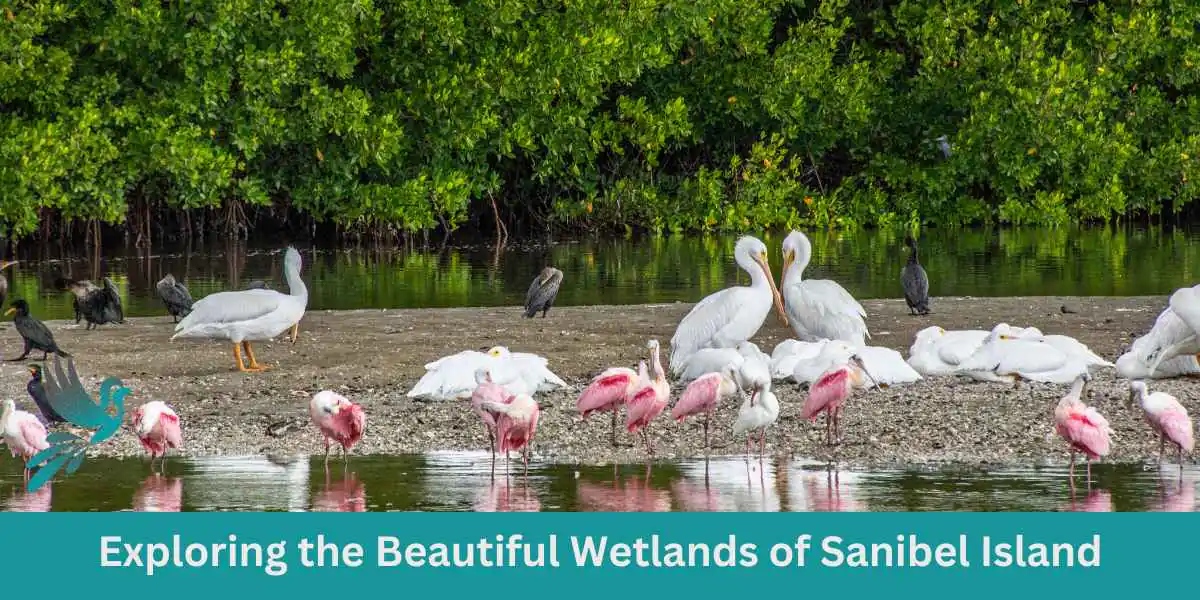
{"points": [[296, 285], [795, 270], [912, 255], [1076, 389]]}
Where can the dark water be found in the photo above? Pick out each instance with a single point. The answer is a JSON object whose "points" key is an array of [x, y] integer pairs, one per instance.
{"points": [[979, 262], [453, 481]]}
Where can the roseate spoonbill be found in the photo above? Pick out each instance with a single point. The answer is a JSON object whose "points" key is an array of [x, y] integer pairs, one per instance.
{"points": [[157, 428], [831, 391], [453, 377], [37, 391], [249, 315], [915, 281], [1082, 426], [818, 308], [35, 333], [788, 353], [24, 434], [1056, 359], [610, 390], [886, 366], [488, 391], [650, 399], [338, 419], [516, 425], [732, 315], [757, 414], [703, 395], [175, 296], [1167, 417], [542, 292]]}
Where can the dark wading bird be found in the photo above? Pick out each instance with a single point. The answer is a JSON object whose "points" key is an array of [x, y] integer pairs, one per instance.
{"points": [[176, 296], [4, 281], [542, 292], [38, 392], [35, 333], [99, 305], [916, 282]]}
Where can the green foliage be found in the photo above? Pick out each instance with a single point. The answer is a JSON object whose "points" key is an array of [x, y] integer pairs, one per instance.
{"points": [[669, 116]]}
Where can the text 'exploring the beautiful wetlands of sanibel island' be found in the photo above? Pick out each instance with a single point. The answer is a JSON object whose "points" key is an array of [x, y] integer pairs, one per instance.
{"points": [[515, 550]]}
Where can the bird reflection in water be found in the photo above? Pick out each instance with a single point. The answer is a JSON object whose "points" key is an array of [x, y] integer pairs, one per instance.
{"points": [[633, 494], [159, 493], [1095, 501], [348, 494], [23, 501], [1176, 496], [504, 495], [823, 492]]}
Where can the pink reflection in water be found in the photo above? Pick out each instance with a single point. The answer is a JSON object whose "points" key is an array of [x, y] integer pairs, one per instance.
{"points": [[1095, 501], [346, 495], [507, 496], [630, 495], [158, 493], [24, 501]]}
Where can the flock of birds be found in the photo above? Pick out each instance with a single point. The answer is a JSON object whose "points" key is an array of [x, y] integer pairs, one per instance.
{"points": [[711, 351]]}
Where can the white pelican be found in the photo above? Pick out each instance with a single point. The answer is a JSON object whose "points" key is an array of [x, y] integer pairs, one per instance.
{"points": [[886, 366], [1176, 332], [732, 315], [713, 360], [248, 315], [937, 352], [1046, 359], [788, 353], [453, 377], [818, 308]]}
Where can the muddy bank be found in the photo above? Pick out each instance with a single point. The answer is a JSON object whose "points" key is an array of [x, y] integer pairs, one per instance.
{"points": [[375, 356]]}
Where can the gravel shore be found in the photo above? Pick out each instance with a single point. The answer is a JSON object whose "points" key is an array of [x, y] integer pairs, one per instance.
{"points": [[375, 356]]}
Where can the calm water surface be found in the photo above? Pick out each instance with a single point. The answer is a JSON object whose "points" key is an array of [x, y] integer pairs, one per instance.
{"points": [[455, 481], [982, 262]]}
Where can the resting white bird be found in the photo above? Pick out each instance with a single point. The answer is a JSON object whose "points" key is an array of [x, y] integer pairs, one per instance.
{"points": [[453, 377], [732, 315], [1046, 359], [248, 315], [937, 352], [886, 366], [818, 308], [713, 360], [1176, 332], [790, 352]]}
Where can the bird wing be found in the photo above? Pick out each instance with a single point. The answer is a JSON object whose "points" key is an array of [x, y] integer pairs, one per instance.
{"points": [[1027, 357], [176, 295], [957, 346], [916, 283], [33, 433], [824, 309], [113, 298], [701, 324], [231, 307], [700, 396], [887, 366], [1186, 304], [540, 292], [709, 360], [36, 331], [825, 390], [451, 376]]}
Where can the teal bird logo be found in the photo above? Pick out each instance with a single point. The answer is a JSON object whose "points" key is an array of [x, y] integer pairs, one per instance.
{"points": [[68, 398]]}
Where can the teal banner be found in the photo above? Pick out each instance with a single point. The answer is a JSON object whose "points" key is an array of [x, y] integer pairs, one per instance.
{"points": [[596, 554]]}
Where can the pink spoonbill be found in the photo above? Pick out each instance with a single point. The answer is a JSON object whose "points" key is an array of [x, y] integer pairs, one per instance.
{"points": [[609, 391], [488, 391], [703, 395], [1082, 426], [157, 428], [23, 432], [1167, 417], [516, 425], [650, 399], [339, 420], [831, 390]]}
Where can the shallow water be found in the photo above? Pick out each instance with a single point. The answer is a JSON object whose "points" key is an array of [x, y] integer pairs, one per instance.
{"points": [[977, 262], [457, 481]]}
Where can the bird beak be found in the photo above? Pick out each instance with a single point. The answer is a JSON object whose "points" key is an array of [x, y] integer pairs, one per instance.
{"points": [[761, 259], [8, 263], [10, 311]]}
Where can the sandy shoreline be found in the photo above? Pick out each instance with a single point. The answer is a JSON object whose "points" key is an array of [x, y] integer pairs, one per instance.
{"points": [[375, 356]]}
